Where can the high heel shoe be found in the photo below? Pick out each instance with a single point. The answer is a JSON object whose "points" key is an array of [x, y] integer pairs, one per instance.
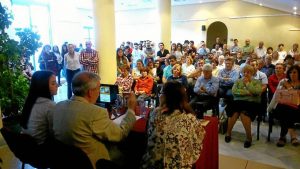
{"points": [[227, 139]]}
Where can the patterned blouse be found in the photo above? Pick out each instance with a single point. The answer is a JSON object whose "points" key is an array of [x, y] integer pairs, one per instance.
{"points": [[125, 83], [174, 140]]}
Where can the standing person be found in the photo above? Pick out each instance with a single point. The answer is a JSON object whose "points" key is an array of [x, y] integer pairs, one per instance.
{"points": [[72, 66], [148, 53], [162, 53], [89, 58], [81, 123], [64, 50], [59, 62], [136, 55], [48, 60], [175, 135], [36, 118]]}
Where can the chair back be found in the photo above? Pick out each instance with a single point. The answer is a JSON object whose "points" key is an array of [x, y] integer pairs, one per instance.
{"points": [[25, 148], [69, 156]]}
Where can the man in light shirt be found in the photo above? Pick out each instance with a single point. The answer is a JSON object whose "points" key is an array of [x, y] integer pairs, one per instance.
{"points": [[260, 51]]}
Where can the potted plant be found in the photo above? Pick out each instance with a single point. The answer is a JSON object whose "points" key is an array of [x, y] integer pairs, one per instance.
{"points": [[13, 84]]}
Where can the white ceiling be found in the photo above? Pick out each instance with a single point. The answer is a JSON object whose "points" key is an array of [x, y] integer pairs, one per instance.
{"points": [[282, 5]]}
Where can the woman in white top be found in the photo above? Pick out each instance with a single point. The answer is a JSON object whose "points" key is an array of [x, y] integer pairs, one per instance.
{"points": [[72, 66], [188, 68], [178, 52]]}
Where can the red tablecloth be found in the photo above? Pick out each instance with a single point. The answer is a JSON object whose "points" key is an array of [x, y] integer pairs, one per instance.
{"points": [[209, 158]]}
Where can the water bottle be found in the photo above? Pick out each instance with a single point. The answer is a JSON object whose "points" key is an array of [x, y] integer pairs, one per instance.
{"points": [[142, 106]]}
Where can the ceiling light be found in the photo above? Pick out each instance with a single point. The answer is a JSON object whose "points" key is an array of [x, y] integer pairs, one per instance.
{"points": [[260, 4], [295, 8], [295, 13]]}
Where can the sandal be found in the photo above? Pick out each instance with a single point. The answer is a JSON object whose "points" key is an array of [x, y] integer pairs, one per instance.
{"points": [[294, 142], [281, 142]]}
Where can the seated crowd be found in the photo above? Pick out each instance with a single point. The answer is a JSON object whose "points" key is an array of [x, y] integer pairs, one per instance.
{"points": [[246, 78], [245, 75]]}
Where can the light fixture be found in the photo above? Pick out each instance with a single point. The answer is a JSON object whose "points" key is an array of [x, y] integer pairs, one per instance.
{"points": [[295, 8], [295, 13], [260, 4]]}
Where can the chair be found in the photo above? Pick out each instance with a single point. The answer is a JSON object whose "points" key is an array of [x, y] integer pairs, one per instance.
{"points": [[271, 123], [68, 156], [203, 106], [274, 115], [26, 149]]}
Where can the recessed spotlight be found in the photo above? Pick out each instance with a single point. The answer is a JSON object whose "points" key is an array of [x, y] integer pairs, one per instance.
{"points": [[295, 13], [260, 4], [295, 8]]}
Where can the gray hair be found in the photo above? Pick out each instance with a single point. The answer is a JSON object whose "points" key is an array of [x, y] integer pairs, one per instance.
{"points": [[207, 67], [84, 81]]}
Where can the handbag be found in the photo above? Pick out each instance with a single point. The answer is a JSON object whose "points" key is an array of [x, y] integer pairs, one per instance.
{"points": [[288, 97]]}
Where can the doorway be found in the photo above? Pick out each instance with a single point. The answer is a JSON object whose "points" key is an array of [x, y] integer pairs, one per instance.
{"points": [[216, 29]]}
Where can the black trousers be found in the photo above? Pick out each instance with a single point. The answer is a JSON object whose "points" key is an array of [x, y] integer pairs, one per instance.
{"points": [[70, 75]]}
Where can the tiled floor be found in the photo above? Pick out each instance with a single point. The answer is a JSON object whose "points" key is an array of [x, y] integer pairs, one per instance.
{"points": [[232, 155]]}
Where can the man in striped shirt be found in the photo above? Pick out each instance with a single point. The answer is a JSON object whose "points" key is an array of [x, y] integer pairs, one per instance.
{"points": [[89, 58]]}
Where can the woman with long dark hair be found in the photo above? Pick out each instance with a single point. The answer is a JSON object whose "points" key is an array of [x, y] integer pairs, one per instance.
{"points": [[288, 115], [36, 119], [174, 134]]}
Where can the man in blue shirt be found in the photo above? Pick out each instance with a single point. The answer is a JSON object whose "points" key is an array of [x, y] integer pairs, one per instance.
{"points": [[227, 77], [168, 69], [206, 89]]}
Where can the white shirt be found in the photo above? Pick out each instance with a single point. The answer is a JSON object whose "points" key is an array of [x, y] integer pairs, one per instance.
{"points": [[260, 52], [281, 55], [187, 70], [72, 63], [136, 55]]}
